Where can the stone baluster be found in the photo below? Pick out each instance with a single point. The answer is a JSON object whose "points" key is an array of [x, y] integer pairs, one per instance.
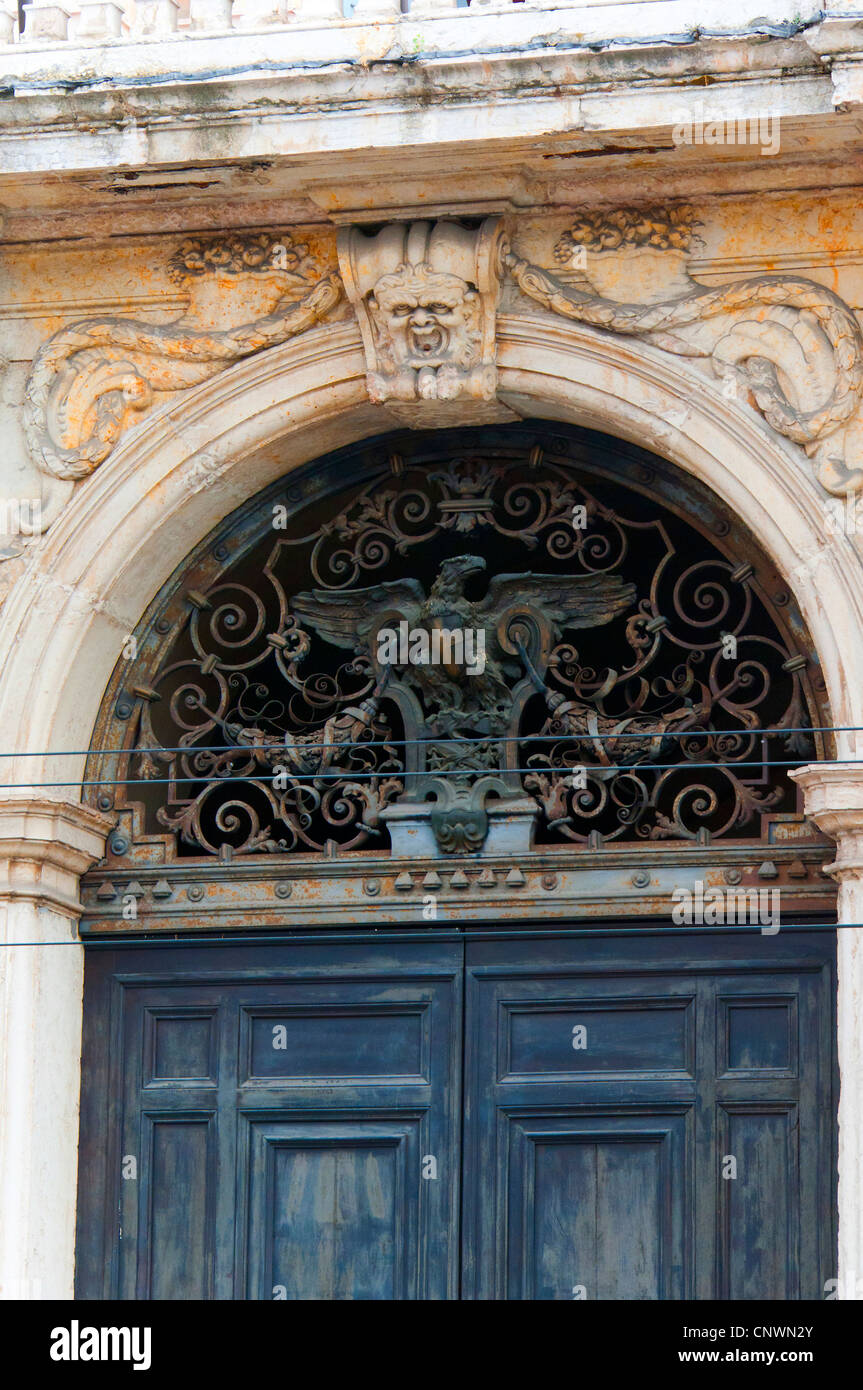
{"points": [[372, 10], [257, 14], [156, 16], [99, 19], [45, 21], [313, 11], [8, 21], [430, 9], [210, 14]]}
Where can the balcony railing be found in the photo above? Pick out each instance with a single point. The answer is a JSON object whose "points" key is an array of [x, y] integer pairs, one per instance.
{"points": [[87, 23], [99, 21]]}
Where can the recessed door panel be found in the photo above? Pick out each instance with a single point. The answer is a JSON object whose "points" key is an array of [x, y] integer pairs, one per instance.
{"points": [[335, 1209], [649, 1117], [177, 1186], [593, 1208]]}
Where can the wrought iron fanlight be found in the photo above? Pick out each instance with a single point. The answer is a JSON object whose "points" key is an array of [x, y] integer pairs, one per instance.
{"points": [[632, 663]]}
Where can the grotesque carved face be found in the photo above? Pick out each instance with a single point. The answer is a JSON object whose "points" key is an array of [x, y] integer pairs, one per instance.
{"points": [[429, 316]]}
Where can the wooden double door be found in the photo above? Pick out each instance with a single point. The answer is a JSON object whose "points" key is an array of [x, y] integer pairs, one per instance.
{"points": [[586, 1115]]}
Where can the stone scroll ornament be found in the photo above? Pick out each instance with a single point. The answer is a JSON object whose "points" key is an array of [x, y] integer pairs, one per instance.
{"points": [[425, 295], [790, 345], [89, 381]]}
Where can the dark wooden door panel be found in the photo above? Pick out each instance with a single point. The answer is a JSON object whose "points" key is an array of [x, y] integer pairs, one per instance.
{"points": [[659, 1131], [274, 1124], [759, 1244], [176, 1183], [348, 1090], [335, 1209], [646, 1117], [593, 1208], [774, 1105]]}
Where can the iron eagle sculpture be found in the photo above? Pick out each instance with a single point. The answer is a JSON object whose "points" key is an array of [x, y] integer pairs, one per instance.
{"points": [[517, 623], [520, 620]]}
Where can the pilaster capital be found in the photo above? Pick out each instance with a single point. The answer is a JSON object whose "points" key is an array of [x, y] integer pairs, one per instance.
{"points": [[45, 847], [833, 799]]}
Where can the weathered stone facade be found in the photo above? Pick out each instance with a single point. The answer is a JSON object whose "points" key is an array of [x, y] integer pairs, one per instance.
{"points": [[231, 244]]}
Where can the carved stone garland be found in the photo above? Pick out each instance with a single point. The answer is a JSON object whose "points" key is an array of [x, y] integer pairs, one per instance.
{"points": [[425, 295], [90, 380], [764, 336]]}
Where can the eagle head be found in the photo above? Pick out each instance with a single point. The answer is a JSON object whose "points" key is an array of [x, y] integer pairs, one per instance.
{"points": [[453, 573]]}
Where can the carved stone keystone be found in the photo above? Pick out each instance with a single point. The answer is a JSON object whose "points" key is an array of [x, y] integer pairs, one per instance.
{"points": [[425, 295]]}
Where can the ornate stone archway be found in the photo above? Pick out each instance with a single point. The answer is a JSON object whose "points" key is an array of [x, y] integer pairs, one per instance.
{"points": [[163, 490]]}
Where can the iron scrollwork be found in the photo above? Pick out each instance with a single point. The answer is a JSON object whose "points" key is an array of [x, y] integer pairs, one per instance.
{"points": [[631, 668]]}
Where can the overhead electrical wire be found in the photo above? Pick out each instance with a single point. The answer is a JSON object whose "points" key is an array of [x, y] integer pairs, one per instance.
{"points": [[477, 739], [352, 775]]}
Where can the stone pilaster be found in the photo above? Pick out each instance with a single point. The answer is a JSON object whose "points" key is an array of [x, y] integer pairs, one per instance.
{"points": [[45, 846], [833, 796]]}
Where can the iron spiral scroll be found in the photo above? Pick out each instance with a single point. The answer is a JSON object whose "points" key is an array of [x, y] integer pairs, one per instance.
{"points": [[630, 679]]}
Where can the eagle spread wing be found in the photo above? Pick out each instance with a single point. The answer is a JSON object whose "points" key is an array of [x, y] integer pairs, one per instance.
{"points": [[566, 601], [349, 618]]}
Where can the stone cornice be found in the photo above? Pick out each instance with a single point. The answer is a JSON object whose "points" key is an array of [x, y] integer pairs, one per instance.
{"points": [[135, 105], [275, 120], [379, 32], [45, 847]]}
